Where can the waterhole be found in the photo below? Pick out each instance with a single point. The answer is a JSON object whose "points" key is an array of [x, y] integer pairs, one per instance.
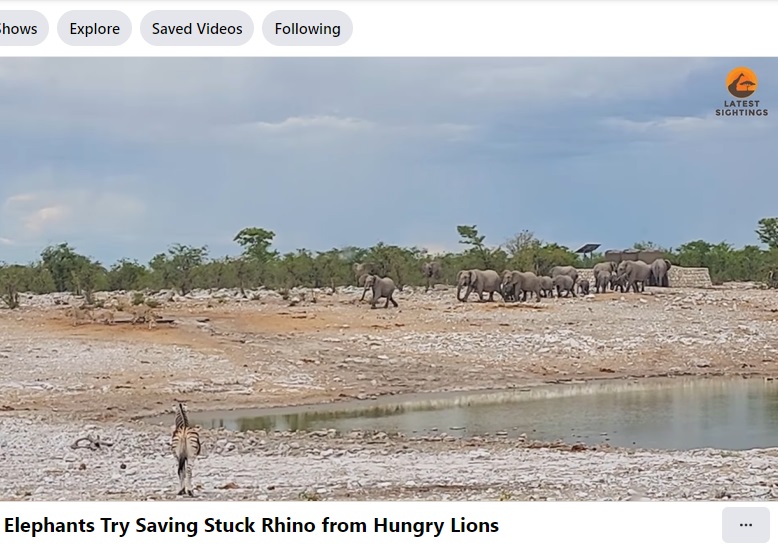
{"points": [[674, 414]]}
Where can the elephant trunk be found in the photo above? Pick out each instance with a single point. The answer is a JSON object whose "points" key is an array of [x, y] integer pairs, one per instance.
{"points": [[459, 292]]}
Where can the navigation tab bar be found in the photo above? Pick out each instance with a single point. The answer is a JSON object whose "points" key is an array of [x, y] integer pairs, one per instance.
{"points": [[197, 28], [307, 28], [22, 28], [94, 28]]}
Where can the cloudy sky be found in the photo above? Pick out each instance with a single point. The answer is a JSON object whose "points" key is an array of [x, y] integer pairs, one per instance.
{"points": [[122, 157]]}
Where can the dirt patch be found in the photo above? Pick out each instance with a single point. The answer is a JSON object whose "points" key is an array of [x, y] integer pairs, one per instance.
{"points": [[243, 353]]}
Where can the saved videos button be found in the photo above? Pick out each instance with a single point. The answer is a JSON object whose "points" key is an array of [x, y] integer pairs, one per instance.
{"points": [[745, 525], [197, 28], [307, 28]]}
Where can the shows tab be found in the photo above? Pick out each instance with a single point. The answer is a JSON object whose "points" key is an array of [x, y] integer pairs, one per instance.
{"points": [[22, 28], [197, 28], [94, 28], [307, 28]]}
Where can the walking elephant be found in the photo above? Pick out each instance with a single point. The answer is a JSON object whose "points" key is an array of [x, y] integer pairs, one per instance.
{"points": [[506, 285], [519, 285], [480, 281], [564, 283], [618, 282], [382, 287], [659, 270], [569, 271], [431, 272], [546, 286], [583, 286], [636, 271], [602, 279]]}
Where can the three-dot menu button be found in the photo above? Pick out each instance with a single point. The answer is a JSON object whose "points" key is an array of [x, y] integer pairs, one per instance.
{"points": [[745, 525]]}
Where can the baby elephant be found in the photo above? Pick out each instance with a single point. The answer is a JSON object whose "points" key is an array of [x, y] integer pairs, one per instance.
{"points": [[618, 282], [564, 283], [546, 286], [601, 281], [583, 285], [382, 287]]}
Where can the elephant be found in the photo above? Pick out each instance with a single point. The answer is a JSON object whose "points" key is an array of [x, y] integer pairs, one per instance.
{"points": [[569, 271], [519, 285], [583, 285], [362, 279], [431, 271], [507, 285], [546, 285], [659, 269], [618, 281], [480, 281], [601, 280], [363, 268], [382, 287], [609, 267], [564, 283], [636, 271]]}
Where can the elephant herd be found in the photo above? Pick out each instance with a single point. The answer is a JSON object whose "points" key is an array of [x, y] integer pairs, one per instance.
{"points": [[515, 286]]}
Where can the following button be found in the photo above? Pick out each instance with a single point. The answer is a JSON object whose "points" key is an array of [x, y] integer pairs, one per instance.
{"points": [[307, 28]]}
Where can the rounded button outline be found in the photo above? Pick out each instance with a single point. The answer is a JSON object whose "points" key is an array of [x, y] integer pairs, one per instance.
{"points": [[123, 35], [246, 36], [39, 36], [274, 16]]}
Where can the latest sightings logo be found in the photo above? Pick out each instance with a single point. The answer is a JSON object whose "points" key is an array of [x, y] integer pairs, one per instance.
{"points": [[741, 83]]}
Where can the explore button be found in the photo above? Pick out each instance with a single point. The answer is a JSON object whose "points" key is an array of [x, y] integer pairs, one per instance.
{"points": [[307, 28], [94, 28]]}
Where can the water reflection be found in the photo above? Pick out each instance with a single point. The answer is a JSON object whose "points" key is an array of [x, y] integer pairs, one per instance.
{"points": [[683, 414]]}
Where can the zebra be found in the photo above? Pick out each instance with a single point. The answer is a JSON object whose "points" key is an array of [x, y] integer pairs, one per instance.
{"points": [[186, 445]]}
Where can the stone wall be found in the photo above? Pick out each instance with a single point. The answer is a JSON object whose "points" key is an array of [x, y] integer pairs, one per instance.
{"points": [[697, 278]]}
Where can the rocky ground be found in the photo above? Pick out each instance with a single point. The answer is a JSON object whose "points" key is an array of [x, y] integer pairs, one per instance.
{"points": [[59, 383]]}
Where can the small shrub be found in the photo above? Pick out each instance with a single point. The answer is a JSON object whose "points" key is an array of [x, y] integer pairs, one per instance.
{"points": [[152, 303], [138, 299], [309, 496]]}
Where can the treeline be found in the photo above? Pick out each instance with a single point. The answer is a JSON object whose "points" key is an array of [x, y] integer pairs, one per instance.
{"points": [[184, 268]]}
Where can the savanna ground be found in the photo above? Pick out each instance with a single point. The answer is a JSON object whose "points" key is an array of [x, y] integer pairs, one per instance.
{"points": [[59, 383]]}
